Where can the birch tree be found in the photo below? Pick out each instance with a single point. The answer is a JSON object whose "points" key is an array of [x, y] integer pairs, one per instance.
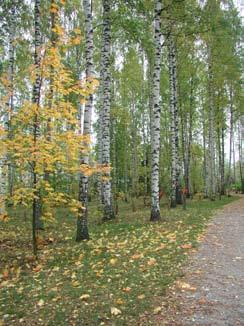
{"points": [[155, 135], [82, 227], [108, 212], [37, 222], [211, 131], [175, 157]]}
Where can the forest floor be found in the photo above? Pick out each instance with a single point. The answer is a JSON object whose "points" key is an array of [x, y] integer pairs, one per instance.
{"points": [[120, 276], [212, 290]]}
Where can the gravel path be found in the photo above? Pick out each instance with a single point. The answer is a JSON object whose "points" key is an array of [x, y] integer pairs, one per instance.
{"points": [[212, 292]]}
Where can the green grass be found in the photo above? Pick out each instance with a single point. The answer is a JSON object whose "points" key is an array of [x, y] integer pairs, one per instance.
{"points": [[128, 264]]}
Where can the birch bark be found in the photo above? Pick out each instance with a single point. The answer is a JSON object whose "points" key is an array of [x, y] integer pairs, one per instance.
{"points": [[155, 135], [11, 94], [175, 157], [211, 133], [6, 169], [36, 217], [108, 212], [82, 232]]}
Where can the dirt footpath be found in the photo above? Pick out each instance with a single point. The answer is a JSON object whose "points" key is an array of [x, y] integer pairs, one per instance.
{"points": [[212, 291]]}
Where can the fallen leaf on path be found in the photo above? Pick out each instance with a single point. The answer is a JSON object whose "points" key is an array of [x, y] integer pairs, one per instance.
{"points": [[157, 310], [185, 286]]}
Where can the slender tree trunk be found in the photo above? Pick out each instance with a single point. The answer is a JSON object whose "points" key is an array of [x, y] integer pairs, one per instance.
{"points": [[175, 157], [51, 90], [222, 171], [82, 220], [36, 217], [240, 145], [11, 94], [155, 140], [176, 118], [172, 127], [211, 134], [231, 138], [205, 170], [106, 103], [234, 159], [187, 175]]}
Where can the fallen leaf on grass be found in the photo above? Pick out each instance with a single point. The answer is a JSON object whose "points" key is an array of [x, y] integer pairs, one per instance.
{"points": [[84, 297], [40, 303], [162, 246], [75, 283], [37, 268], [115, 311], [120, 301], [137, 256], [186, 246], [141, 296], [151, 262], [127, 289], [113, 261], [5, 274]]}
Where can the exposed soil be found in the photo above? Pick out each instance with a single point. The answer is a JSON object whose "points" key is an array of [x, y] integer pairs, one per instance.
{"points": [[212, 291]]}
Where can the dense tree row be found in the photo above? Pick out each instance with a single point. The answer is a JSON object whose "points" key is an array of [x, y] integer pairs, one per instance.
{"points": [[118, 100]]}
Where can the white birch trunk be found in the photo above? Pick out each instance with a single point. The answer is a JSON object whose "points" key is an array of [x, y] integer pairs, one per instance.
{"points": [[82, 225], [155, 135], [6, 178], [172, 126], [211, 134], [106, 103]]}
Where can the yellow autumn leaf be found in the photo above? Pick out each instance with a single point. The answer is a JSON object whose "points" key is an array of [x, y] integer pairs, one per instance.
{"points": [[137, 256], [126, 289], [40, 303], [157, 310], [115, 311], [185, 286], [151, 262], [141, 296], [84, 297], [120, 301], [113, 261]]}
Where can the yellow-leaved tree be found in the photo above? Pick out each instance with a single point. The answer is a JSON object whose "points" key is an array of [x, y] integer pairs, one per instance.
{"points": [[46, 135]]}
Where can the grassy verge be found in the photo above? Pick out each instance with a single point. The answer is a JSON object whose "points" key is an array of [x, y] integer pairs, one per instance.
{"points": [[109, 280]]}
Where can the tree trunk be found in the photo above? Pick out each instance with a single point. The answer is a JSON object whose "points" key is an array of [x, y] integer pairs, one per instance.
{"points": [[211, 134], [222, 171], [108, 213], [155, 140], [82, 220], [240, 145], [36, 217], [172, 126], [11, 95], [205, 170], [175, 157], [231, 138]]}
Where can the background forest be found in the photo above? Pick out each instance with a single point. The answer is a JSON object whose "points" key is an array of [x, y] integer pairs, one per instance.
{"points": [[118, 113]]}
